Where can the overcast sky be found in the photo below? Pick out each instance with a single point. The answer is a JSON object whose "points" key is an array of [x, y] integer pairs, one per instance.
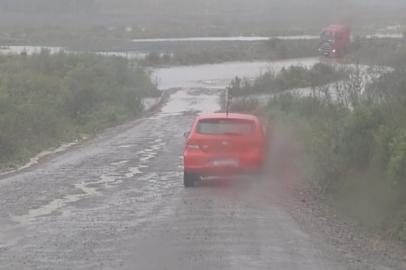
{"points": [[221, 13]]}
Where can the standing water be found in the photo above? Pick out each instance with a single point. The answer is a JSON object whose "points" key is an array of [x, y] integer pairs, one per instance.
{"points": [[218, 76]]}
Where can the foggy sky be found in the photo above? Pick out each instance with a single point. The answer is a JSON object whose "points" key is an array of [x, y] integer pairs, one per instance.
{"points": [[172, 12], [136, 6]]}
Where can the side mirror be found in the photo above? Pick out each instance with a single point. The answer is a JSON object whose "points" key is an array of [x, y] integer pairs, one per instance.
{"points": [[186, 134]]}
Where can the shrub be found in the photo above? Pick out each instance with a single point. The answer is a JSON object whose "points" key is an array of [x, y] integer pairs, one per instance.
{"points": [[46, 99], [355, 148], [358, 139], [397, 162], [289, 78]]}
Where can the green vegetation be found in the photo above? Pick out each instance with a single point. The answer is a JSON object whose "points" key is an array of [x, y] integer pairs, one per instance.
{"points": [[354, 147], [388, 52], [48, 99], [217, 52], [290, 78]]}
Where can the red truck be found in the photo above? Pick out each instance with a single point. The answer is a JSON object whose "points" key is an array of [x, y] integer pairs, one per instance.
{"points": [[334, 40]]}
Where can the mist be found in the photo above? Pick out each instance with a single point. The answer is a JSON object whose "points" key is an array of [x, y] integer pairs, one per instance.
{"points": [[207, 16]]}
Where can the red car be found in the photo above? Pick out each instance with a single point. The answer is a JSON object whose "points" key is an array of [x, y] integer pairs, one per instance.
{"points": [[222, 144]]}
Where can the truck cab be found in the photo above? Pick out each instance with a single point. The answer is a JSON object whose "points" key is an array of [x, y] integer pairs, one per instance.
{"points": [[334, 40]]}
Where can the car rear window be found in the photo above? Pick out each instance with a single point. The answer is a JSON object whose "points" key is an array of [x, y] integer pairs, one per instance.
{"points": [[226, 127]]}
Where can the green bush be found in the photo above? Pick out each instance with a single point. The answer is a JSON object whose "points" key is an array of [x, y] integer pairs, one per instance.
{"points": [[289, 78], [47, 99], [355, 151], [399, 231], [397, 163], [358, 142]]}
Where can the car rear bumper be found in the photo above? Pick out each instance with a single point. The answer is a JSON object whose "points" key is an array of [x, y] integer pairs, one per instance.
{"points": [[206, 165], [226, 172]]}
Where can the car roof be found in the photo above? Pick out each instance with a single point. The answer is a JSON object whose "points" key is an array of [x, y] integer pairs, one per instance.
{"points": [[237, 116]]}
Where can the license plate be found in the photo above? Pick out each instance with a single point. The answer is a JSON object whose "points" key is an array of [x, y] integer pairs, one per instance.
{"points": [[226, 163]]}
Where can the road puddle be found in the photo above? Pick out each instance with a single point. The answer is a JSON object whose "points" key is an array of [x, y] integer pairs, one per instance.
{"points": [[57, 204], [149, 153], [126, 146], [35, 160], [109, 181], [119, 163], [133, 172], [106, 181]]}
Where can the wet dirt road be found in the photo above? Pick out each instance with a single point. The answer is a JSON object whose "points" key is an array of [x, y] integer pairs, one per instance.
{"points": [[118, 202]]}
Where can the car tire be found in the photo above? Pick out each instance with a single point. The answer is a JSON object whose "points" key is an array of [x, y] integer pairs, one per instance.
{"points": [[190, 179]]}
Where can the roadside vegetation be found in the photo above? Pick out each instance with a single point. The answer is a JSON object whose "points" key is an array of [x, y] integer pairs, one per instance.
{"points": [[388, 52], [46, 100], [218, 52], [354, 146], [289, 78]]}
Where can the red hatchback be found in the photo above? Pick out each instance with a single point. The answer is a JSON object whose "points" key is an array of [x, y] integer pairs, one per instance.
{"points": [[223, 144]]}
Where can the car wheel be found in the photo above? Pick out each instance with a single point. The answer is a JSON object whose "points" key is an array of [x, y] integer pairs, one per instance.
{"points": [[190, 179]]}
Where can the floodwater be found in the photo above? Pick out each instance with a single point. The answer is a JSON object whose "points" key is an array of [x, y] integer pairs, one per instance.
{"points": [[28, 50], [385, 36], [297, 37], [138, 54], [218, 76], [217, 39], [32, 50], [192, 101]]}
